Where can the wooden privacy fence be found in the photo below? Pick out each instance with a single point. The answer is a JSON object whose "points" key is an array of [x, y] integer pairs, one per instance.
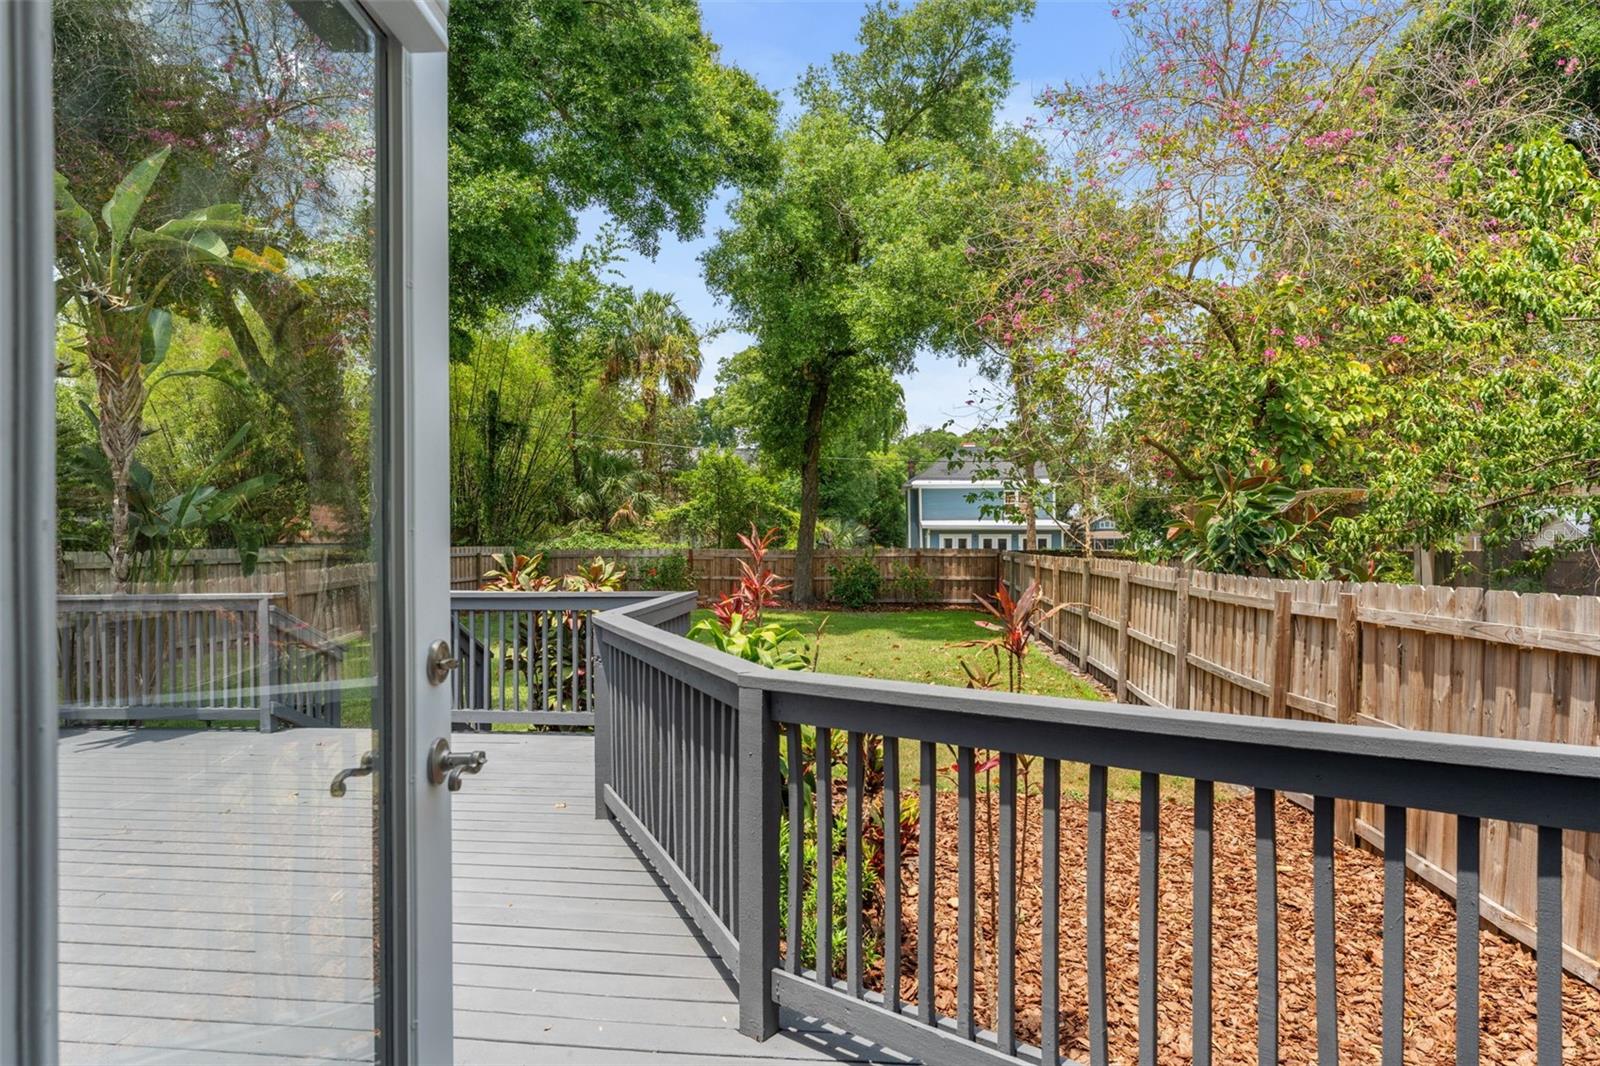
{"points": [[1519, 667], [327, 587], [953, 576]]}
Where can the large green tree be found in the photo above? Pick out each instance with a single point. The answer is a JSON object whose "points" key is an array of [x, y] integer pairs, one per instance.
{"points": [[852, 260], [557, 106]]}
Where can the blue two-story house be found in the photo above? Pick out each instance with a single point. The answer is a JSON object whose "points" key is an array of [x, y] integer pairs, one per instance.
{"points": [[948, 505]]}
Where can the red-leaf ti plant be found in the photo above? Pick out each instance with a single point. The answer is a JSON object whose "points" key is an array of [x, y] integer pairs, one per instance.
{"points": [[1015, 621], [758, 585]]}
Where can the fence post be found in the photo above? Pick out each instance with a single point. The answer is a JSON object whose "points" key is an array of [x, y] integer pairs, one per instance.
{"points": [[1124, 609], [264, 660], [1180, 644], [1348, 633], [1083, 620], [756, 869], [1282, 652]]}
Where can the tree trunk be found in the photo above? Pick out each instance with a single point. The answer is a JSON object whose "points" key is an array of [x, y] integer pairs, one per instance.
{"points": [[810, 493], [1021, 384], [121, 393]]}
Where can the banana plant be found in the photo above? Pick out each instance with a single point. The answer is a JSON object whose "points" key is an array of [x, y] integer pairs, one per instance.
{"points": [[114, 274]]}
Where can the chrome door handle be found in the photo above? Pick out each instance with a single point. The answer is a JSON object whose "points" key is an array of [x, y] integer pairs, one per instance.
{"points": [[445, 767], [361, 769], [440, 662]]}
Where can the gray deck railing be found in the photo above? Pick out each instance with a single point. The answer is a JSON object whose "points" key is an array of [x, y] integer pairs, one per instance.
{"points": [[701, 760], [526, 656], [204, 656]]}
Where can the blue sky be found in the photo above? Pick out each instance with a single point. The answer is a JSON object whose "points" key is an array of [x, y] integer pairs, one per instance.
{"points": [[776, 40]]}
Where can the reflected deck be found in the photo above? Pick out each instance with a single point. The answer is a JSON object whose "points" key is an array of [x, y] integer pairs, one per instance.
{"points": [[215, 908]]}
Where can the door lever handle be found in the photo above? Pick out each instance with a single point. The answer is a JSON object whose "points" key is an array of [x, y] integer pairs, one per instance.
{"points": [[445, 767], [361, 769]]}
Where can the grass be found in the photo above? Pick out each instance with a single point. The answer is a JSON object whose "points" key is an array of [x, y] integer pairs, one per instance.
{"points": [[916, 646]]}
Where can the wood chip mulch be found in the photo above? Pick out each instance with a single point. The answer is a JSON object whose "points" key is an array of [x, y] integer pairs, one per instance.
{"points": [[1508, 1015]]}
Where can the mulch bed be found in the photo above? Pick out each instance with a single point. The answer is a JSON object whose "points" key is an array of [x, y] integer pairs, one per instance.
{"points": [[1508, 1014]]}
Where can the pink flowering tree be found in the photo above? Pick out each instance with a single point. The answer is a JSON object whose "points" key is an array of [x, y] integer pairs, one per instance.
{"points": [[1329, 260]]}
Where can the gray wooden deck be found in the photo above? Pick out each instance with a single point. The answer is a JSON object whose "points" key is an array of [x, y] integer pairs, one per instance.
{"points": [[215, 908]]}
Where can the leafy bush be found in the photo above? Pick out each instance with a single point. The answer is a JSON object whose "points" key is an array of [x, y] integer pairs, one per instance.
{"points": [[667, 574], [771, 645], [911, 583], [856, 583]]}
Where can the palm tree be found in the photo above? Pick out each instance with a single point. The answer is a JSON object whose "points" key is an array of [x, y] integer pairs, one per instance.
{"points": [[658, 348], [608, 492]]}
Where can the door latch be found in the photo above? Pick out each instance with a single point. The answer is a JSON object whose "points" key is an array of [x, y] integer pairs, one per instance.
{"points": [[361, 769], [440, 662], [445, 767]]}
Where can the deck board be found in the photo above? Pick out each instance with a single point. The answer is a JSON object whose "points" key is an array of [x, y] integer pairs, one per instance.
{"points": [[215, 908]]}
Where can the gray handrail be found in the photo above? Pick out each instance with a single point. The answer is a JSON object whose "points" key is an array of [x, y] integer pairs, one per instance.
{"points": [[676, 720], [526, 657]]}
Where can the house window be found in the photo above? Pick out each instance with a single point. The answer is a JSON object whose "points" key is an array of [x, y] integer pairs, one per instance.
{"points": [[1044, 542]]}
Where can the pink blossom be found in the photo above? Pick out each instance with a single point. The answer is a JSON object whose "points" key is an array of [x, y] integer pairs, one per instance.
{"points": [[1270, 355], [1303, 341], [1397, 338]]}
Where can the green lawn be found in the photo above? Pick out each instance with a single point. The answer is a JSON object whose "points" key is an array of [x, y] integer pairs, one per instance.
{"points": [[916, 646]]}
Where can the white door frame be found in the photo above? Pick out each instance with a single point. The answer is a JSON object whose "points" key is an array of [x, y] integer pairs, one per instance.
{"points": [[27, 541], [415, 1028]]}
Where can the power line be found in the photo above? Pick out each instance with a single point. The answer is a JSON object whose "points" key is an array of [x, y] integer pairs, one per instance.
{"points": [[698, 447]]}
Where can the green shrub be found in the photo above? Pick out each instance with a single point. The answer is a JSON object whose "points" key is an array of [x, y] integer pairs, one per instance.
{"points": [[856, 583], [911, 583], [669, 573]]}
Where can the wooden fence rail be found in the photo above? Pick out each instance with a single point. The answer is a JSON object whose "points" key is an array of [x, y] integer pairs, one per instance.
{"points": [[952, 576], [1455, 660]]}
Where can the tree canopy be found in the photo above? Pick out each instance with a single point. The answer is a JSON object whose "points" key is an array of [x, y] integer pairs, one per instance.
{"points": [[852, 259], [558, 106]]}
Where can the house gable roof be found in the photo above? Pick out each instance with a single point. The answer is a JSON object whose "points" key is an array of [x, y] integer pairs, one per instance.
{"points": [[968, 467]]}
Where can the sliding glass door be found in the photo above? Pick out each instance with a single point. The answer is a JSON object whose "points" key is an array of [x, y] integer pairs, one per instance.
{"points": [[250, 863]]}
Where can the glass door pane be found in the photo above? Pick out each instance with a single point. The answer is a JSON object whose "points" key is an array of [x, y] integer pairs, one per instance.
{"points": [[218, 377]]}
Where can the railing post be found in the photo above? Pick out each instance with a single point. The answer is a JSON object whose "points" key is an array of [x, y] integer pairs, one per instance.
{"points": [[603, 702], [264, 660], [756, 872]]}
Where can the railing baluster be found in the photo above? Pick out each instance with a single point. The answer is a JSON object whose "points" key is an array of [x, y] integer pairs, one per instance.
{"points": [[1549, 949], [1095, 901], [852, 863], [965, 881], [1266, 925], [1394, 935], [824, 799], [1323, 918], [1050, 931], [503, 655], [1204, 821], [544, 660], [1467, 915], [891, 873], [1149, 911], [1005, 1004], [797, 837], [927, 876]]}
